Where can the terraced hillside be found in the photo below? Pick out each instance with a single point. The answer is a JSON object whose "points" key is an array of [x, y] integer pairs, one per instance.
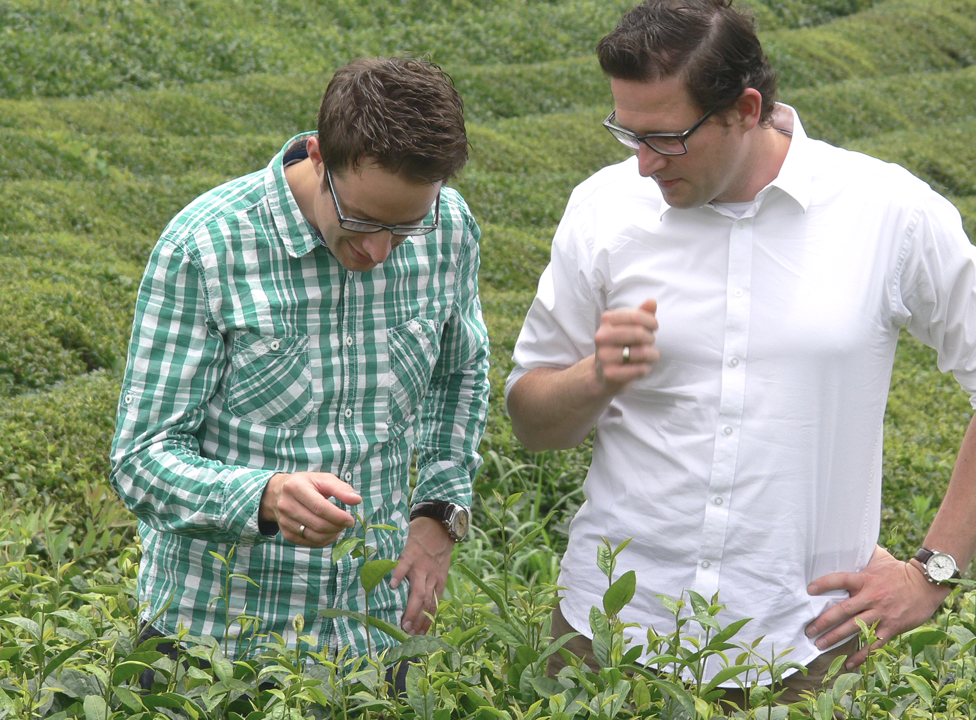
{"points": [[114, 114]]}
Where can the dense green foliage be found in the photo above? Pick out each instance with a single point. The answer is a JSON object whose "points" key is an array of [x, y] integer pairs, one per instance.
{"points": [[114, 114]]}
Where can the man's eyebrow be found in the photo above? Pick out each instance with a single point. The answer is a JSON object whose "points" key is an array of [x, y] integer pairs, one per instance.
{"points": [[356, 214]]}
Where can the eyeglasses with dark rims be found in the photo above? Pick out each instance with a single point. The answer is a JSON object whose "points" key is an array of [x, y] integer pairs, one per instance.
{"points": [[662, 143], [371, 226]]}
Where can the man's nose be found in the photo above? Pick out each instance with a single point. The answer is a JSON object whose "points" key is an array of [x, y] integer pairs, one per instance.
{"points": [[378, 245], [649, 161]]}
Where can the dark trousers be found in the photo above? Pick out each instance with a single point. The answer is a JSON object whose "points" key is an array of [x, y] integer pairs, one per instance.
{"points": [[793, 685]]}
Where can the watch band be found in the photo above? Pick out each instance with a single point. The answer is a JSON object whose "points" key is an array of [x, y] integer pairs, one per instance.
{"points": [[454, 517]]}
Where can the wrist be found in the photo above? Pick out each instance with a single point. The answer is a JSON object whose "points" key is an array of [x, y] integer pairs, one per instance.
{"points": [[268, 508]]}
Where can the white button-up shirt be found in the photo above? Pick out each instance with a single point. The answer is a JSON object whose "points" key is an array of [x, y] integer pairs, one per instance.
{"points": [[749, 462]]}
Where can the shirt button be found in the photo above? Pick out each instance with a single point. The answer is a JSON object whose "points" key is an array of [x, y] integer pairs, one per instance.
{"points": [[738, 293], [717, 501], [348, 476], [741, 224], [349, 340], [727, 430], [349, 413], [275, 345], [705, 564], [734, 362], [128, 398]]}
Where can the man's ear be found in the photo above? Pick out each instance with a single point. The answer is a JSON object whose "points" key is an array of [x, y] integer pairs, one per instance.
{"points": [[746, 111], [312, 147]]}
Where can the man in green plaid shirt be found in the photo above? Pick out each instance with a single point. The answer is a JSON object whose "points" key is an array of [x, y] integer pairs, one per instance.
{"points": [[299, 334]]}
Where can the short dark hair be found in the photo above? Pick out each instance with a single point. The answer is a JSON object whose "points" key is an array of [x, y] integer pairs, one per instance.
{"points": [[711, 44], [402, 113]]}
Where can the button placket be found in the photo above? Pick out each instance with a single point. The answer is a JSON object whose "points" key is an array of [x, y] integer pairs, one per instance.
{"points": [[729, 419]]}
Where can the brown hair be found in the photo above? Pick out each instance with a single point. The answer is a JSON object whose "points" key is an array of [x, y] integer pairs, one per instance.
{"points": [[401, 113], [711, 44]]}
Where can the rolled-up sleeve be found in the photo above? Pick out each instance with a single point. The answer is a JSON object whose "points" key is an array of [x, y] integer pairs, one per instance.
{"points": [[176, 361]]}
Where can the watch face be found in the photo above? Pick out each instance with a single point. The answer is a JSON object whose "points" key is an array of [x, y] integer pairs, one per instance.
{"points": [[459, 524], [941, 567]]}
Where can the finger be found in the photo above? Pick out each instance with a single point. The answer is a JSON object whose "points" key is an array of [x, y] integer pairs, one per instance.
{"points": [[650, 306], [413, 613], [623, 334], [861, 656], [842, 632], [299, 533], [399, 572], [637, 317], [324, 515], [428, 610], [836, 615], [852, 582], [328, 485], [637, 354]]}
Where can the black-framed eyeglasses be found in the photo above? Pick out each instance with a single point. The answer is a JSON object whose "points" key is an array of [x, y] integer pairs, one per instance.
{"points": [[661, 143], [370, 226]]}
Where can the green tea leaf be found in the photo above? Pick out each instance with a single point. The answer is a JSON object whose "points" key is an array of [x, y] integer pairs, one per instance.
{"points": [[395, 632], [605, 560], [922, 688], [493, 594], [620, 593], [923, 637], [373, 571], [95, 708]]}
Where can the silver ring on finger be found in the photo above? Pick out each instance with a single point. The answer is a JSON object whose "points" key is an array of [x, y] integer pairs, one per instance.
{"points": [[302, 530], [626, 355]]}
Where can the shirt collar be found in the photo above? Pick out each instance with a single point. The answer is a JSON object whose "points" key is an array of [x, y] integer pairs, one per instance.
{"points": [[296, 233], [794, 177]]}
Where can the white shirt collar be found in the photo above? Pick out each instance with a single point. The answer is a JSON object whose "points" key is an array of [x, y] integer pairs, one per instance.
{"points": [[794, 177]]}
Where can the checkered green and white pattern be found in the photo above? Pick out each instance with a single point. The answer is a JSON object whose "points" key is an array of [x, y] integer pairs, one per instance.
{"points": [[254, 352]]}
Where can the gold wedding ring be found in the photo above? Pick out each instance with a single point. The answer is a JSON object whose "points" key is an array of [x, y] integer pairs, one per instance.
{"points": [[302, 530], [627, 354]]}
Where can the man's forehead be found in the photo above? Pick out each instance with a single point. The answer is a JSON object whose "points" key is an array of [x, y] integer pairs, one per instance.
{"points": [[646, 104]]}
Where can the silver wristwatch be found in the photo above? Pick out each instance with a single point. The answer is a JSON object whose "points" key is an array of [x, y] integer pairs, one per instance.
{"points": [[453, 516], [937, 566]]}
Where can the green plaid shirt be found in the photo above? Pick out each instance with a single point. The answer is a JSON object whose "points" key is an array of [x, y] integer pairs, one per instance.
{"points": [[254, 352]]}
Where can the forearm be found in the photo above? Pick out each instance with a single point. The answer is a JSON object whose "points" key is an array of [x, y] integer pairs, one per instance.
{"points": [[555, 409], [173, 489], [953, 528]]}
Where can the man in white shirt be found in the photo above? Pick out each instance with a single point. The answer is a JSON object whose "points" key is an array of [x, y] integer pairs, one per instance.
{"points": [[725, 308]]}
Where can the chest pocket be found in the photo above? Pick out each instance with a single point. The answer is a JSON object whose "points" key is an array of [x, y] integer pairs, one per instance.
{"points": [[414, 348], [271, 381]]}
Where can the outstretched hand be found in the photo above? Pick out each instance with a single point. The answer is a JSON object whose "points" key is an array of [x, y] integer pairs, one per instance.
{"points": [[890, 591], [300, 504], [424, 562]]}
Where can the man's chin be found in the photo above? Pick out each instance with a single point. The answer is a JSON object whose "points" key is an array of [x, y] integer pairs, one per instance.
{"points": [[672, 193]]}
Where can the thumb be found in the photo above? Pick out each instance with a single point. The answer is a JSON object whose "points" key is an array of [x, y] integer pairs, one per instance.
{"points": [[650, 305]]}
